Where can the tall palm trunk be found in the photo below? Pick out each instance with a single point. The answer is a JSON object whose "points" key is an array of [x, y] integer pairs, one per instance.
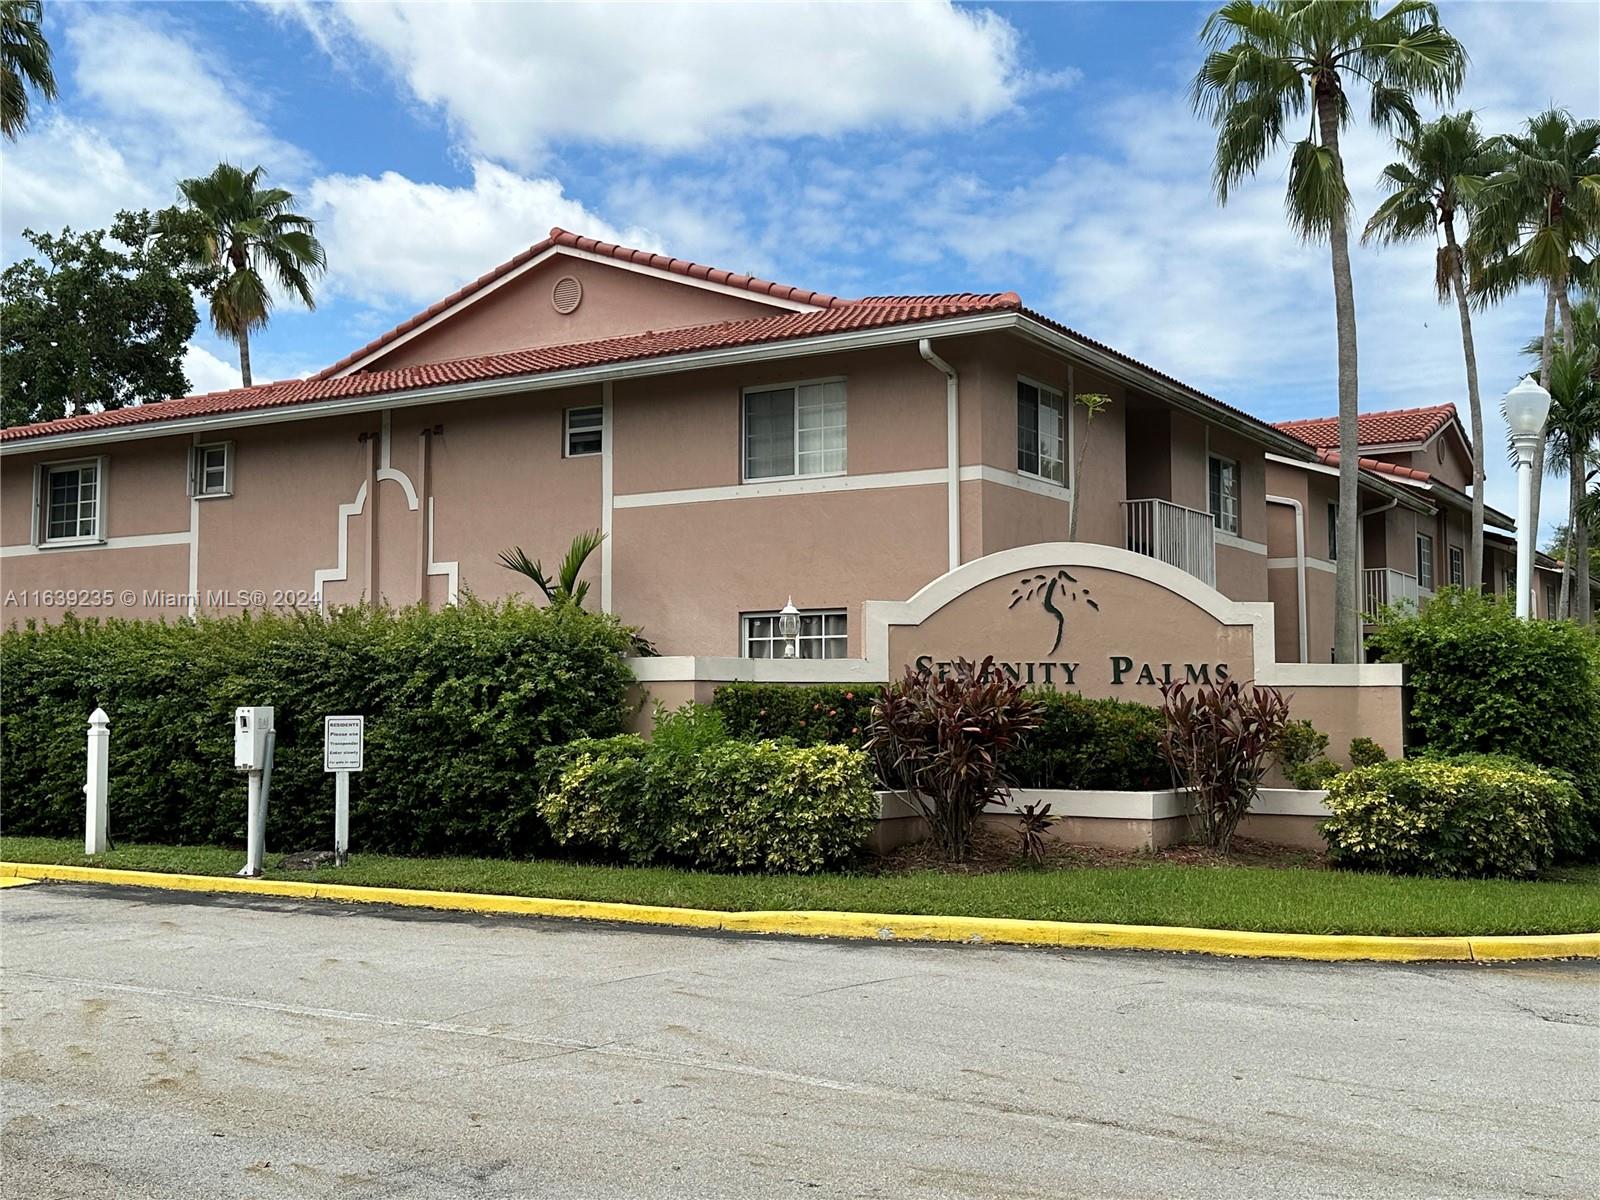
{"points": [[1577, 468], [1546, 354], [244, 357], [1347, 593], [1474, 578]]}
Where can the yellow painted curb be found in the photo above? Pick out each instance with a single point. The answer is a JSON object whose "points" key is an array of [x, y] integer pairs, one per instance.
{"points": [[869, 926], [10, 881]]}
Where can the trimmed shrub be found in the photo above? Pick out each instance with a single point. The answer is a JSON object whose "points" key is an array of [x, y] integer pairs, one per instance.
{"points": [[815, 715], [458, 702], [1094, 745], [1302, 752], [1482, 681], [725, 806], [1472, 816], [1098, 745], [1364, 752]]}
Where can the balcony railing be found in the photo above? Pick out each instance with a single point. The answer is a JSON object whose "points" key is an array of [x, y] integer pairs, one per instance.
{"points": [[1384, 585], [1183, 537]]}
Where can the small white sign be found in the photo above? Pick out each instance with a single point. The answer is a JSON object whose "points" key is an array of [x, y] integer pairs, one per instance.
{"points": [[343, 743]]}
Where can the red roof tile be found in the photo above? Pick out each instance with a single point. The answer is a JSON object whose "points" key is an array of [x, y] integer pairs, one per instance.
{"points": [[1331, 457], [779, 327], [562, 237], [1374, 429]]}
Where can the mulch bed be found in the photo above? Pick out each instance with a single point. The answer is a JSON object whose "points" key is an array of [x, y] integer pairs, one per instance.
{"points": [[993, 852]]}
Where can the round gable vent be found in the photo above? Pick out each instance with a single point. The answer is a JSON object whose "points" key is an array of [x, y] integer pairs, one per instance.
{"points": [[566, 295]]}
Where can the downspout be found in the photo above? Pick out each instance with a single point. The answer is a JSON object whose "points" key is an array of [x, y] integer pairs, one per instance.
{"points": [[1299, 566], [952, 421]]}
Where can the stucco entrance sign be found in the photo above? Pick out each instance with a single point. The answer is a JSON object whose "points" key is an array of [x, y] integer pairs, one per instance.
{"points": [[1074, 616]]}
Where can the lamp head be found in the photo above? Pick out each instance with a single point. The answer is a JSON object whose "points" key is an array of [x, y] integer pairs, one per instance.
{"points": [[789, 620], [1527, 407]]}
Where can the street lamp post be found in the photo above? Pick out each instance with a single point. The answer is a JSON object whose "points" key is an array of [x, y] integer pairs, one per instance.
{"points": [[1526, 406], [789, 629]]}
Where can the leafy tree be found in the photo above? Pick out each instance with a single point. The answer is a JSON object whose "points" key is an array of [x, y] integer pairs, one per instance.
{"points": [[256, 241], [24, 63], [1533, 218], [1442, 169], [1271, 62], [98, 318]]}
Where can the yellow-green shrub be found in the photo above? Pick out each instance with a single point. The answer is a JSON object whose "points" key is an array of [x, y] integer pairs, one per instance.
{"points": [[1435, 816]]}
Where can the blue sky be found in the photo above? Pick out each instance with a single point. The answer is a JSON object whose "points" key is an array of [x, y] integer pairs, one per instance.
{"points": [[1043, 148]]}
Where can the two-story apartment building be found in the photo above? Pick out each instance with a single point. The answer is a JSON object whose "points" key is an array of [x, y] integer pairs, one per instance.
{"points": [[739, 442]]}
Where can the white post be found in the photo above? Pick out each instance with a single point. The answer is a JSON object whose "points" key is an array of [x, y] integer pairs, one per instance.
{"points": [[96, 784], [255, 829], [341, 818], [1524, 528]]}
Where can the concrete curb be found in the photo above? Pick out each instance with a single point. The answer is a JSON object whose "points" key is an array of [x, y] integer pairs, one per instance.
{"points": [[869, 926]]}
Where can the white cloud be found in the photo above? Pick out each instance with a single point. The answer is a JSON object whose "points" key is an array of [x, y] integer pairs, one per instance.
{"points": [[207, 372], [153, 112], [513, 78], [391, 239]]}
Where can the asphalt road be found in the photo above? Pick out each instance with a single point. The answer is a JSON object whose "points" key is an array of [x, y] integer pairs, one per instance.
{"points": [[163, 1046]]}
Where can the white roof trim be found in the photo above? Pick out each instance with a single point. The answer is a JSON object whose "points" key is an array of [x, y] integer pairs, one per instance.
{"points": [[571, 252]]}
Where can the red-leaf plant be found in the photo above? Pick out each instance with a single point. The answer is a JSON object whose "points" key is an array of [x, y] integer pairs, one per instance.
{"points": [[943, 739], [1216, 740]]}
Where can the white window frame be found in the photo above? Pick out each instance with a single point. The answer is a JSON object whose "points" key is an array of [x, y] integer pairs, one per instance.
{"points": [[1456, 563], [1426, 584], [1065, 482], [567, 431], [776, 641], [41, 503], [197, 471], [744, 432], [1221, 526]]}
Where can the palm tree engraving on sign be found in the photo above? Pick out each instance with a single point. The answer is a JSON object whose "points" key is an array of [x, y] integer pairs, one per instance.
{"points": [[1049, 589]]}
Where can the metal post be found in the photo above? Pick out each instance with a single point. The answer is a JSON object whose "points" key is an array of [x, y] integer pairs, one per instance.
{"points": [[96, 786], [341, 818], [255, 829], [1524, 525]]}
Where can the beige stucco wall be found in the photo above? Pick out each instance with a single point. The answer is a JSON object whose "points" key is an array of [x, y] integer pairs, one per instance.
{"points": [[519, 314]]}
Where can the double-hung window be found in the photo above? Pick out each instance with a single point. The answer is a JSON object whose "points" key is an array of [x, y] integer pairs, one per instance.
{"points": [[585, 431], [72, 502], [823, 634], [1041, 432], [1425, 562], [1224, 494], [211, 470], [1458, 572], [794, 430]]}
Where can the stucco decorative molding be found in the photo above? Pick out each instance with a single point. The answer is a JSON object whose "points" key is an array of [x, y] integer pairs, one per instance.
{"points": [[1239, 543], [450, 570], [784, 487], [139, 541], [387, 470], [335, 574]]}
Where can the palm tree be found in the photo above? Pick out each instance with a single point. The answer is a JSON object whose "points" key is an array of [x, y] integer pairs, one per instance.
{"points": [[1533, 217], [566, 587], [24, 63], [256, 240], [1273, 61], [1442, 169], [1571, 434]]}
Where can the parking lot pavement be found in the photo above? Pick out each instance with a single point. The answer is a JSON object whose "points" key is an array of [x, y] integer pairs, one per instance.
{"points": [[168, 1046]]}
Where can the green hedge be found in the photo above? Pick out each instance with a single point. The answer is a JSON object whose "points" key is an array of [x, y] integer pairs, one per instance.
{"points": [[1481, 681], [817, 715], [727, 806], [1471, 816], [458, 704], [1106, 745]]}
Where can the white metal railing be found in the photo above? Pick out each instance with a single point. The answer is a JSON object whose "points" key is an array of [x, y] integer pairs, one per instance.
{"points": [[1183, 537], [1384, 585]]}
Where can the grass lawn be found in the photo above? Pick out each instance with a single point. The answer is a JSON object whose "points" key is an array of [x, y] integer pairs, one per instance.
{"points": [[1132, 891]]}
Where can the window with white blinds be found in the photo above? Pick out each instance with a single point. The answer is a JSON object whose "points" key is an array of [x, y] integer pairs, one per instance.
{"points": [[797, 429]]}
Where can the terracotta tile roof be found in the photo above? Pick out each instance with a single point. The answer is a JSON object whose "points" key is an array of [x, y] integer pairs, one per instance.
{"points": [[1374, 429], [1331, 457], [562, 237], [777, 328]]}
